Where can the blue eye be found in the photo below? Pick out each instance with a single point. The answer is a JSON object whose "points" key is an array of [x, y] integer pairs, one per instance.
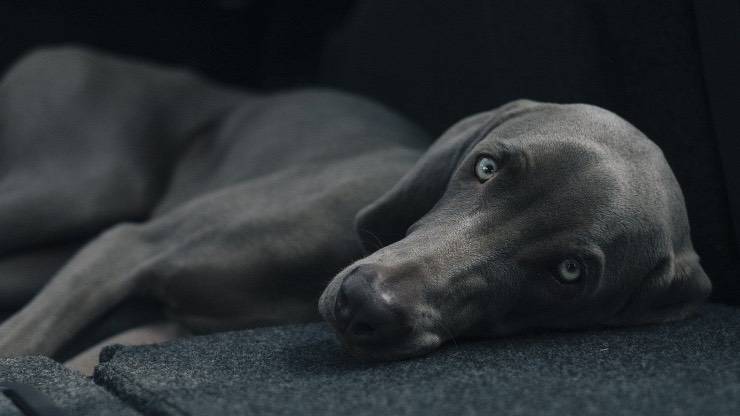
{"points": [[485, 168]]}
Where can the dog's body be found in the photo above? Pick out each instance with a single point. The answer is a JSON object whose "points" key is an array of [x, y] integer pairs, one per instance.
{"points": [[237, 209]]}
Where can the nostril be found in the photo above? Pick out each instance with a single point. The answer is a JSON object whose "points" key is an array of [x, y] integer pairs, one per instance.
{"points": [[352, 296]]}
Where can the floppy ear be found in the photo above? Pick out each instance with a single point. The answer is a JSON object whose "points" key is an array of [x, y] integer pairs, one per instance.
{"points": [[672, 290], [386, 220]]}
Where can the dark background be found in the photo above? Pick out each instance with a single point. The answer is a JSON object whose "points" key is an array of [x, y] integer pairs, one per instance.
{"points": [[265, 44], [666, 66]]}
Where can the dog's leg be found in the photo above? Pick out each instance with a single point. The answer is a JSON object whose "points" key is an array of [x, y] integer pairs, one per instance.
{"points": [[23, 274], [102, 274], [72, 202], [87, 140]]}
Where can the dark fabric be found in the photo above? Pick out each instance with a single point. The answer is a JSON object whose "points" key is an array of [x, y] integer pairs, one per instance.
{"points": [[686, 368], [718, 27], [437, 61], [66, 389], [259, 43]]}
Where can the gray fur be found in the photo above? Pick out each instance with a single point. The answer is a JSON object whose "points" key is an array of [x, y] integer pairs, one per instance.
{"points": [[477, 260], [236, 209]]}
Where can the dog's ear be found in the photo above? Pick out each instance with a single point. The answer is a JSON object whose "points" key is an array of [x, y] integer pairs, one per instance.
{"points": [[386, 220], [671, 291]]}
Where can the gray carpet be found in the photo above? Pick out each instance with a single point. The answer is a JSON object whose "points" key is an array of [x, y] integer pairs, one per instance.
{"points": [[68, 390], [686, 368]]}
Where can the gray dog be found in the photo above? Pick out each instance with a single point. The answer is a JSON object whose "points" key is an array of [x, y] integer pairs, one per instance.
{"points": [[235, 210]]}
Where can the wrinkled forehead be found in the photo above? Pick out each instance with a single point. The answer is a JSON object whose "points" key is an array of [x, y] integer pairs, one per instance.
{"points": [[582, 164], [573, 188], [577, 127], [573, 118]]}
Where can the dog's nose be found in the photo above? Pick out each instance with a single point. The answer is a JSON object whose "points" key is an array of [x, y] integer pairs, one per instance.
{"points": [[363, 314]]}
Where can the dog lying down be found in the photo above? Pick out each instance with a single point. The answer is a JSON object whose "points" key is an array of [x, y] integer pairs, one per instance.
{"points": [[236, 210]]}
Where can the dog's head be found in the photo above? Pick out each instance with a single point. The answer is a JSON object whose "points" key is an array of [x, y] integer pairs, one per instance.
{"points": [[528, 216]]}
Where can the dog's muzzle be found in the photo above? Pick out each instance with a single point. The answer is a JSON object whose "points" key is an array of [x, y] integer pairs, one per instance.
{"points": [[365, 316]]}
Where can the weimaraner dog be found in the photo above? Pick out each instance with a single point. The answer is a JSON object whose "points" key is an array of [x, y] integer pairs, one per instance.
{"points": [[236, 210]]}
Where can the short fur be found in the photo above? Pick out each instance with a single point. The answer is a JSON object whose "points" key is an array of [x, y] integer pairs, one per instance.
{"points": [[236, 209]]}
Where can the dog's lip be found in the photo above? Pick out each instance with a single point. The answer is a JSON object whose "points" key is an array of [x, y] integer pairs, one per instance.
{"points": [[409, 347], [414, 344]]}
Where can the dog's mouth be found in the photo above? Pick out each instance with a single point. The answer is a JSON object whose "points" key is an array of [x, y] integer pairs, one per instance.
{"points": [[408, 347], [378, 344]]}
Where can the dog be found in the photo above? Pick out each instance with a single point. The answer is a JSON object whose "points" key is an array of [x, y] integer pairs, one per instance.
{"points": [[236, 209]]}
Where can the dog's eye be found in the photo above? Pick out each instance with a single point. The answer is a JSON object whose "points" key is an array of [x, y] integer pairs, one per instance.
{"points": [[485, 168], [569, 270]]}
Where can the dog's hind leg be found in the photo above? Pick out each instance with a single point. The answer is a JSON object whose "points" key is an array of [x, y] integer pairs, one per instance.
{"points": [[87, 140], [101, 275], [69, 206], [70, 164], [23, 274]]}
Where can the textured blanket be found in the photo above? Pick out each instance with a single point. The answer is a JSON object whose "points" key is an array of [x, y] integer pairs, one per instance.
{"points": [[65, 388], [685, 368]]}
